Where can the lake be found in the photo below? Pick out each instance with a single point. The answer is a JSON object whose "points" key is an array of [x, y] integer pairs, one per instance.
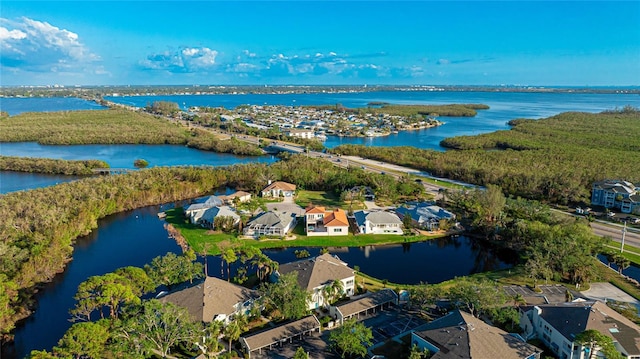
{"points": [[504, 106], [17, 181]]}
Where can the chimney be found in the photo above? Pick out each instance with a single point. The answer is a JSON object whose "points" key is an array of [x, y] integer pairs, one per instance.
{"points": [[268, 182]]}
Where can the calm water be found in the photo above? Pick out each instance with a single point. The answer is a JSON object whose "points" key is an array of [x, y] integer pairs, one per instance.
{"points": [[125, 239], [504, 106], [122, 156], [15, 106], [18, 181]]}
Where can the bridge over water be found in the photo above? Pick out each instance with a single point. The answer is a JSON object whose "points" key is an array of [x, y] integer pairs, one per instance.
{"points": [[111, 171]]}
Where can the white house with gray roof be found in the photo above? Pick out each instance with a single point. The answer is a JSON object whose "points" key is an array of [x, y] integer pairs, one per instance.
{"points": [[270, 224], [314, 274], [557, 325], [424, 214], [378, 222]]}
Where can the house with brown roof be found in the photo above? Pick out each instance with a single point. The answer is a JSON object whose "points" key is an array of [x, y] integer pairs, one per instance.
{"points": [[461, 335], [213, 299], [241, 196], [320, 222], [279, 189], [557, 325], [315, 274]]}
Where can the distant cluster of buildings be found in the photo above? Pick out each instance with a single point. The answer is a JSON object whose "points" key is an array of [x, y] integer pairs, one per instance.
{"points": [[310, 122]]}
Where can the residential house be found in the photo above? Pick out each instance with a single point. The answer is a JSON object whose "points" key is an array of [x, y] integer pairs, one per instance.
{"points": [[461, 335], [195, 211], [270, 224], [315, 274], [366, 192], [424, 215], [300, 133], [208, 217], [241, 196], [378, 222], [557, 325], [320, 222], [617, 194], [213, 299], [279, 188]]}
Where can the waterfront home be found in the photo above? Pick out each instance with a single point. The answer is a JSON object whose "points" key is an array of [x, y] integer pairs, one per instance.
{"points": [[378, 222], [195, 210], [213, 299], [424, 215], [617, 194], [270, 224], [314, 274], [461, 335], [207, 218], [320, 222], [279, 189], [241, 197], [557, 325]]}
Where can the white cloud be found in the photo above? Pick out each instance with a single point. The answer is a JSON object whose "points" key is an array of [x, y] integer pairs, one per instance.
{"points": [[188, 59], [38, 46]]}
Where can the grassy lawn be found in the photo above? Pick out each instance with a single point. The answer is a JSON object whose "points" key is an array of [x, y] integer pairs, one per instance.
{"points": [[318, 198], [197, 236]]}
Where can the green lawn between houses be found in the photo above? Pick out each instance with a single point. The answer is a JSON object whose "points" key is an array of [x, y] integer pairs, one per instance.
{"points": [[196, 236]]}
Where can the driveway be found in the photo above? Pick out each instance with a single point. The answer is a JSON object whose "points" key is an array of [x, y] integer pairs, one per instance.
{"points": [[287, 205]]}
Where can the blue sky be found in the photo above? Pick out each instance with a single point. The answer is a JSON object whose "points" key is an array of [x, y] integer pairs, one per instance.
{"points": [[542, 43]]}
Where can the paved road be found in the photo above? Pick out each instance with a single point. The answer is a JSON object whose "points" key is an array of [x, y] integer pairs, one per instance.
{"points": [[631, 238]]}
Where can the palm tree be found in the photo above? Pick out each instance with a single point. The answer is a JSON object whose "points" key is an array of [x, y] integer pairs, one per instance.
{"points": [[333, 290], [235, 328]]}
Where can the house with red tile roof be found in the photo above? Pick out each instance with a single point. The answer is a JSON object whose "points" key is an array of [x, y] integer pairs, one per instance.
{"points": [[320, 222]]}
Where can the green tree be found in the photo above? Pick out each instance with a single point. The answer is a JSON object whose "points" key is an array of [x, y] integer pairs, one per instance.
{"points": [[160, 326], [477, 296], [301, 354], [229, 256], [416, 353], [333, 291], [352, 338], [235, 328], [209, 343], [172, 269], [598, 342], [286, 297], [83, 340]]}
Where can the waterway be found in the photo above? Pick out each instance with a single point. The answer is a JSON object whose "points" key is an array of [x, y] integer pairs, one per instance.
{"points": [[14, 106], [504, 106], [18, 181], [123, 156]]}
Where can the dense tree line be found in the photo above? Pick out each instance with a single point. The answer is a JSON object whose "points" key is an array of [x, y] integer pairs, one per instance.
{"points": [[113, 126], [50, 166], [550, 247], [555, 159]]}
